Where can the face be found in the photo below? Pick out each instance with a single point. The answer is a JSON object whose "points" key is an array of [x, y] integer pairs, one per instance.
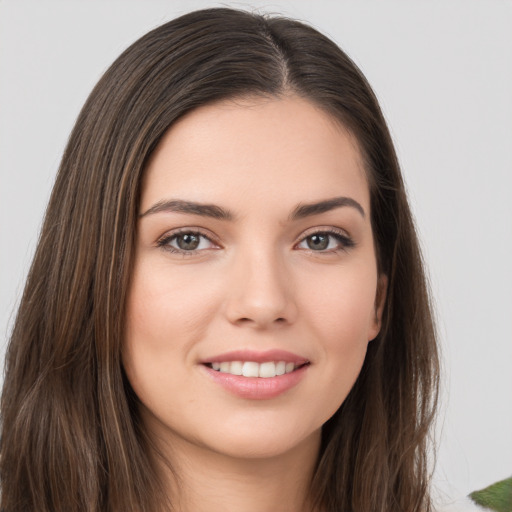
{"points": [[255, 285]]}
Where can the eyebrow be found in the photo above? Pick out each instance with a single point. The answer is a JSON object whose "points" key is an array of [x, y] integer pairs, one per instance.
{"points": [[217, 212], [308, 209], [180, 206]]}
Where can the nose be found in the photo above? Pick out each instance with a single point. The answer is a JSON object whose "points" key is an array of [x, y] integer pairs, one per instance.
{"points": [[261, 291]]}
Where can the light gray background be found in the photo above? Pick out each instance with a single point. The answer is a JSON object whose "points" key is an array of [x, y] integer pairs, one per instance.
{"points": [[443, 73]]}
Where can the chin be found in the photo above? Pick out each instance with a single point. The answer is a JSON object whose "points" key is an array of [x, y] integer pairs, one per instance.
{"points": [[263, 443]]}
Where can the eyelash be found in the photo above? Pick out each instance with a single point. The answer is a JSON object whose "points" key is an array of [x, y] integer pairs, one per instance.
{"points": [[344, 241], [165, 241]]}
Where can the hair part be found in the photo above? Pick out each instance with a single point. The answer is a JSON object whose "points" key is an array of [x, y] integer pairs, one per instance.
{"points": [[72, 437]]}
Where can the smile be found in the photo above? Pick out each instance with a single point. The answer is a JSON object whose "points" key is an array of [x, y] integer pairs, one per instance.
{"points": [[256, 375], [253, 369]]}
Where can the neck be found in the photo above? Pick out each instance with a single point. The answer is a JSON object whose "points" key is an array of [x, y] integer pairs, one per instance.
{"points": [[212, 482]]}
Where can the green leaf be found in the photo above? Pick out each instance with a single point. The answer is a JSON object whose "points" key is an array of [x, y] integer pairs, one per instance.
{"points": [[497, 496]]}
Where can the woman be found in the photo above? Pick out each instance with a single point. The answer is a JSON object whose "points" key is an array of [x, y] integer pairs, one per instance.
{"points": [[227, 308]]}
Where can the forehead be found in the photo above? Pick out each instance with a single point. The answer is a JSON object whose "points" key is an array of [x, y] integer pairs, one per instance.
{"points": [[266, 149]]}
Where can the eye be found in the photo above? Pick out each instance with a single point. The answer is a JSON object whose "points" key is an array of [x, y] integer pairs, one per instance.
{"points": [[186, 242], [326, 241]]}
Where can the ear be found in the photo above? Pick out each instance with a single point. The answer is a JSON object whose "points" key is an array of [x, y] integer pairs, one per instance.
{"points": [[380, 300]]}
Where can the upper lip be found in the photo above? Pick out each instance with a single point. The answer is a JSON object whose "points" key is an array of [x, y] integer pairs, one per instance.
{"points": [[257, 357]]}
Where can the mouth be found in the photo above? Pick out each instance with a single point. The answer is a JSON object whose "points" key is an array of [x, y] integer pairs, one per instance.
{"points": [[253, 369], [256, 375]]}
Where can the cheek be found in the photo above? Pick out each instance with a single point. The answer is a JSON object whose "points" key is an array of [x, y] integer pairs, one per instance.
{"points": [[339, 308], [163, 323], [340, 304], [164, 306]]}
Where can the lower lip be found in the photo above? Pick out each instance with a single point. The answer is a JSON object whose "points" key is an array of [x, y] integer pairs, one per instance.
{"points": [[257, 388]]}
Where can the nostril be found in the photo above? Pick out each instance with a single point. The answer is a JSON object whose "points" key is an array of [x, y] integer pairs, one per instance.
{"points": [[280, 321]]}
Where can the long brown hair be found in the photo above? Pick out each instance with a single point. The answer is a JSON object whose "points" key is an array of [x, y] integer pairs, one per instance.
{"points": [[72, 439]]}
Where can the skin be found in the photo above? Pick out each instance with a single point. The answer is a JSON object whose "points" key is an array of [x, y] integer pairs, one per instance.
{"points": [[255, 284]]}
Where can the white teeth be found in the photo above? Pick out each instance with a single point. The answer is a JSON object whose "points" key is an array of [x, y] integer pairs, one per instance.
{"points": [[267, 370], [253, 369], [236, 368], [250, 369]]}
